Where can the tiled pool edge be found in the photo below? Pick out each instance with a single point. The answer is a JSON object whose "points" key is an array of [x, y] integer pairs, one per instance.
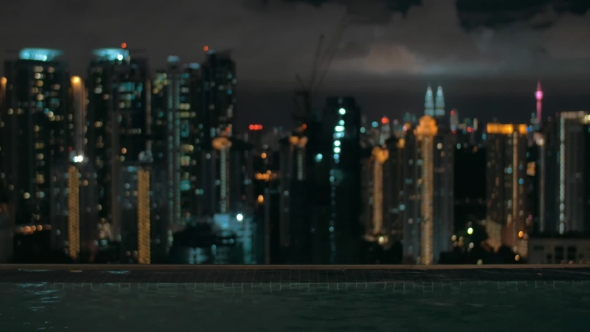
{"points": [[399, 287]]}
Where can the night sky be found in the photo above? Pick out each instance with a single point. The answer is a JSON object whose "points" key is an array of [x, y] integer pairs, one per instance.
{"points": [[385, 58]]}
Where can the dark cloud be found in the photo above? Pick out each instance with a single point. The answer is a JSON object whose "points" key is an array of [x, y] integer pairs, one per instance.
{"points": [[539, 14], [366, 11]]}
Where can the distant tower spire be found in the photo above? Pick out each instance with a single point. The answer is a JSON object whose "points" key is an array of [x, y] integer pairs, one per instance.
{"points": [[440, 102], [539, 97], [429, 102]]}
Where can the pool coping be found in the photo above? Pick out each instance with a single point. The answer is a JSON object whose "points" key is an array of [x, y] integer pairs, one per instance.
{"points": [[286, 275]]}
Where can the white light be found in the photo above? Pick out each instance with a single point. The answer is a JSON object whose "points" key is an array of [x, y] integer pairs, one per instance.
{"points": [[120, 57], [470, 231], [336, 143], [339, 128], [336, 150], [319, 157], [341, 122], [78, 159], [240, 217], [342, 111]]}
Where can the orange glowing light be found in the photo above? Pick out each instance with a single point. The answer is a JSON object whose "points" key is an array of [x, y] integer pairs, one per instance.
{"points": [[255, 127], [227, 129], [123, 45], [304, 126], [384, 120], [205, 48], [263, 155]]}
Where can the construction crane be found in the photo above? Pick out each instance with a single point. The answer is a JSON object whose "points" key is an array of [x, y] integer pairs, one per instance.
{"points": [[321, 64]]}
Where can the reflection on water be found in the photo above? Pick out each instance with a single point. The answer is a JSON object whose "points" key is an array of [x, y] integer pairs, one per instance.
{"points": [[114, 307]]}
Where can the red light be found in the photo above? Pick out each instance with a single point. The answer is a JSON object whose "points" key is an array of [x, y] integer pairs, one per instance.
{"points": [[452, 112], [205, 48], [304, 126], [123, 45], [469, 129], [255, 127], [384, 120]]}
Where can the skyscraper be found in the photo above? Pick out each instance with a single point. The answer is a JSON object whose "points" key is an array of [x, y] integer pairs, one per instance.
{"points": [[507, 184], [35, 143], [539, 98], [429, 102], [427, 200], [118, 112], [341, 150], [439, 112], [176, 100], [217, 117], [574, 172], [454, 120]]}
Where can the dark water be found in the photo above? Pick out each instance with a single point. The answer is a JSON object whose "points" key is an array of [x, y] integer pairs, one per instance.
{"points": [[466, 306]]}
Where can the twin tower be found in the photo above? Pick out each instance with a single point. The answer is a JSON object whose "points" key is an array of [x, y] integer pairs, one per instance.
{"points": [[434, 107]]}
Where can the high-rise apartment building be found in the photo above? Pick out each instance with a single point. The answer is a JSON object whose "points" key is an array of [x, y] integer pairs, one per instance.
{"points": [[427, 203], [36, 123], [507, 184], [342, 117], [564, 183], [217, 116], [118, 117], [176, 100]]}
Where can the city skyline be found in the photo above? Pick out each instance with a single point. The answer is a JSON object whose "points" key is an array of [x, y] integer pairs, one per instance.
{"points": [[488, 64]]}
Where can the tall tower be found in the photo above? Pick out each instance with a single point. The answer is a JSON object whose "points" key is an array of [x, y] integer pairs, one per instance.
{"points": [[507, 183], [218, 114], [35, 139], [440, 103], [539, 97], [425, 132], [118, 116], [429, 102]]}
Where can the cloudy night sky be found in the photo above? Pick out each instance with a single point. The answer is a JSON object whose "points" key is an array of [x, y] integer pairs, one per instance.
{"points": [[385, 59]]}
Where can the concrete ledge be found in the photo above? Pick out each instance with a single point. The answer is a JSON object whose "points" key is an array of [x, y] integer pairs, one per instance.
{"points": [[288, 274]]}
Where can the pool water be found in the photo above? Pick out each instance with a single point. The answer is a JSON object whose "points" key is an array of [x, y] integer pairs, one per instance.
{"points": [[460, 306]]}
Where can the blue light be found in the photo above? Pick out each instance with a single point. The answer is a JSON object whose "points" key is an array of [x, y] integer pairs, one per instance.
{"points": [[194, 66], [341, 122], [484, 136], [375, 124], [111, 54], [521, 181], [39, 54], [173, 58], [362, 130], [319, 157], [336, 156], [185, 185]]}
